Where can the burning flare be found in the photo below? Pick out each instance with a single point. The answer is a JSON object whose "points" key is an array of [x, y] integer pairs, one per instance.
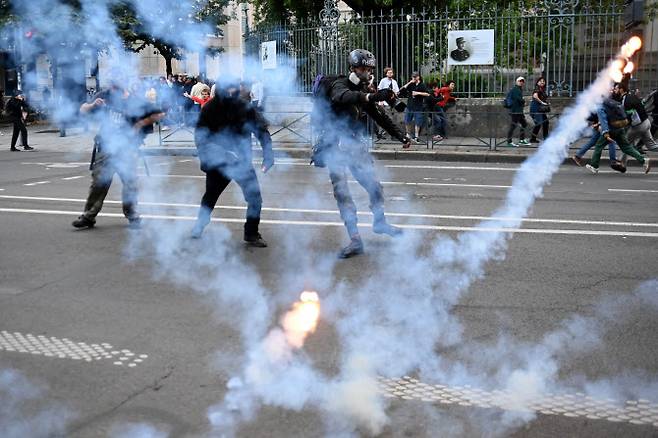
{"points": [[622, 65], [302, 319]]}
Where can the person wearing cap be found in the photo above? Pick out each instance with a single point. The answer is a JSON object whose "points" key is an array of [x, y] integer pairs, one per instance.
{"points": [[17, 111], [414, 117], [460, 54], [515, 105]]}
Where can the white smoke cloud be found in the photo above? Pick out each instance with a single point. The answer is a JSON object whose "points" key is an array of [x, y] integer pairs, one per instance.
{"points": [[23, 411]]}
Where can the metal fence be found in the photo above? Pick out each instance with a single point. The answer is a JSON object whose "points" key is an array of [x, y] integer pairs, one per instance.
{"points": [[566, 41]]}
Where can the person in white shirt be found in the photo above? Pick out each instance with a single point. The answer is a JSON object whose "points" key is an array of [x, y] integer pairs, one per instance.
{"points": [[388, 81], [196, 91]]}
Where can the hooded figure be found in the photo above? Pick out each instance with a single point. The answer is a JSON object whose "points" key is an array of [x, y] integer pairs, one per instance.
{"points": [[223, 141]]}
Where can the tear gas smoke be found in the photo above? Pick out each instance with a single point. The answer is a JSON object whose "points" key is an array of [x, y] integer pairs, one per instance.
{"points": [[390, 325], [23, 412]]}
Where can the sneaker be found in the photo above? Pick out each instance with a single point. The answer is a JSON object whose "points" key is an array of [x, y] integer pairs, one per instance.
{"points": [[354, 248], [255, 240], [511, 144], [14, 149], [524, 143], [616, 165], [28, 148], [592, 169], [415, 140], [576, 159], [383, 227], [83, 222], [135, 223], [647, 165], [437, 138]]}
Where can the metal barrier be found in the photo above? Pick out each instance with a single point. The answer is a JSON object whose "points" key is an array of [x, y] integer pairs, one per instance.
{"points": [[484, 128]]}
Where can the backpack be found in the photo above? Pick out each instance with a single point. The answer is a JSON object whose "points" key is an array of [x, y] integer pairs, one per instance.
{"points": [[321, 84], [614, 111], [507, 102]]}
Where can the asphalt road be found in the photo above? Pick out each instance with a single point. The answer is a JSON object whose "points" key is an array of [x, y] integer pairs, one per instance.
{"points": [[111, 340]]}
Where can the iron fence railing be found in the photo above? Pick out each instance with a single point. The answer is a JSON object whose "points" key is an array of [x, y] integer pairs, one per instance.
{"points": [[566, 41]]}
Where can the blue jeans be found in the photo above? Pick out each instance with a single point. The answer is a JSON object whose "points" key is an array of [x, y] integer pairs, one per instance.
{"points": [[612, 147], [440, 122]]}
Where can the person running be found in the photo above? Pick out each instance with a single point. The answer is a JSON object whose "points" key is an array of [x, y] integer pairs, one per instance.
{"points": [[614, 121], [515, 103], [593, 120]]}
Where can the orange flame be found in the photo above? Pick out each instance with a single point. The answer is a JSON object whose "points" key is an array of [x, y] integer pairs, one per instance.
{"points": [[629, 67], [302, 319]]}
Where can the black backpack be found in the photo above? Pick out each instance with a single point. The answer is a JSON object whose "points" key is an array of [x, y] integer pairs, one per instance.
{"points": [[321, 85]]}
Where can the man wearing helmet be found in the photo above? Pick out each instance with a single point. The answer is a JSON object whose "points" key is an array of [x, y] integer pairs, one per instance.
{"points": [[341, 112]]}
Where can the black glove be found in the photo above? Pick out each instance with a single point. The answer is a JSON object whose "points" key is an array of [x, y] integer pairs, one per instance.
{"points": [[382, 95]]}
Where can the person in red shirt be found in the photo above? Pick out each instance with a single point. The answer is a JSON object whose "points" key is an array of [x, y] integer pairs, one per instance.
{"points": [[204, 99], [441, 99]]}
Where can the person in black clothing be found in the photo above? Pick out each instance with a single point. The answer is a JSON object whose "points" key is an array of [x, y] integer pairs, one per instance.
{"points": [[124, 120], [17, 112], [539, 108], [223, 140], [340, 113], [414, 117]]}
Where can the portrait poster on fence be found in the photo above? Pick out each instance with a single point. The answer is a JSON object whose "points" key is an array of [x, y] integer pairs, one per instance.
{"points": [[471, 47], [268, 54]]}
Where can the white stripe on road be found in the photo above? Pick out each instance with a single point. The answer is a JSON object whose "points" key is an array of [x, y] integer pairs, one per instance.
{"points": [[365, 213], [73, 177], [37, 183], [633, 190], [390, 183], [340, 224]]}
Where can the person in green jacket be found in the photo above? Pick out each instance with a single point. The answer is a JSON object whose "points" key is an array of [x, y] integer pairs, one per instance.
{"points": [[516, 104]]}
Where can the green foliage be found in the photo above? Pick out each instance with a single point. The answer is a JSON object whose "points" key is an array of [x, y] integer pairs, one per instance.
{"points": [[136, 35]]}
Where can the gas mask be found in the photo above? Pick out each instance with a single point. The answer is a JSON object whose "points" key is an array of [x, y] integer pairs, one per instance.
{"points": [[359, 78]]}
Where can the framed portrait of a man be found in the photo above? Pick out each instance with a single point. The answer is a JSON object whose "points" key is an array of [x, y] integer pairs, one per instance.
{"points": [[471, 47]]}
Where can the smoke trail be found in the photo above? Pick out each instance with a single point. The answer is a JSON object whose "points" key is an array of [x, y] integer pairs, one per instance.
{"points": [[19, 400]]}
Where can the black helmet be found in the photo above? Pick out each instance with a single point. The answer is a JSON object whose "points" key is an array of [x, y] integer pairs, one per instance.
{"points": [[362, 58]]}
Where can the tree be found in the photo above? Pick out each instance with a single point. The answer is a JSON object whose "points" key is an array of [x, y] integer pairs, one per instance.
{"points": [[137, 32]]}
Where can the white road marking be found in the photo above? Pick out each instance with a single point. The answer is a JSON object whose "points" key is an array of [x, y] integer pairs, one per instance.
{"points": [[363, 213], [633, 190], [65, 349], [37, 183], [340, 224], [569, 405], [390, 183], [185, 161], [73, 177]]}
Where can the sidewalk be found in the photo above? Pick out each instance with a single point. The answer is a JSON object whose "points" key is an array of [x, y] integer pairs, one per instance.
{"points": [[46, 138]]}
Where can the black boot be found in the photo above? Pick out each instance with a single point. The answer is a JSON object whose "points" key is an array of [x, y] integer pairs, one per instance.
{"points": [[251, 235], [83, 222], [354, 248]]}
